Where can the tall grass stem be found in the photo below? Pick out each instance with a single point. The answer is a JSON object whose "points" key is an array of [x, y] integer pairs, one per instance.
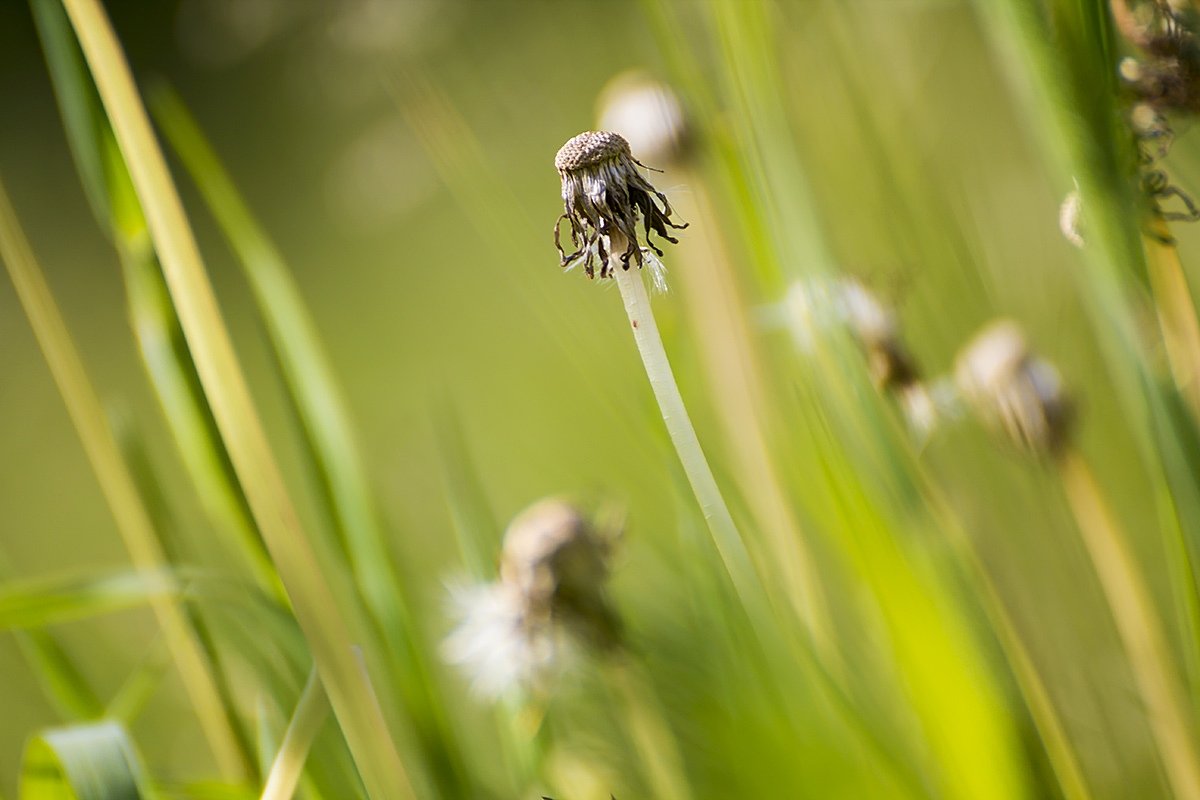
{"points": [[116, 482], [317, 607], [312, 709], [1138, 626]]}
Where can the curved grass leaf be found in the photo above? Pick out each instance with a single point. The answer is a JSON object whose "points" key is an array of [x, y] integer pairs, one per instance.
{"points": [[84, 762]]}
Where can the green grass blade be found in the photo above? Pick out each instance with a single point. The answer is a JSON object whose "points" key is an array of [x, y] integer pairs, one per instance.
{"points": [[311, 712], [78, 103], [85, 762], [322, 617], [325, 421], [164, 352], [63, 684], [117, 484]]}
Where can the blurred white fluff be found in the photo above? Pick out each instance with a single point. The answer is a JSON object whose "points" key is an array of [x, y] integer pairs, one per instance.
{"points": [[520, 632], [495, 643]]}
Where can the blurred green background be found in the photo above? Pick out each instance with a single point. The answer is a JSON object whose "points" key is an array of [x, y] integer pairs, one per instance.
{"points": [[924, 178]]}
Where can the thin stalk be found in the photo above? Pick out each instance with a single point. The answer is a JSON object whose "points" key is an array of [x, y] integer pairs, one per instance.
{"points": [[725, 534], [317, 608], [312, 710], [734, 375], [652, 738], [116, 482], [1137, 624], [1176, 313]]}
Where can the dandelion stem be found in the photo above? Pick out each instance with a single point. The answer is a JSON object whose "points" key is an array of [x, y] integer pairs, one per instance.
{"points": [[683, 434], [1137, 624], [735, 379]]}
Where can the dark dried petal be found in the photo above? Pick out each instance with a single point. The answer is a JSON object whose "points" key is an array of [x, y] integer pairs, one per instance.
{"points": [[604, 195]]}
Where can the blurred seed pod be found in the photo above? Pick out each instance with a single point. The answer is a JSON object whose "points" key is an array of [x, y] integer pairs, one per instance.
{"points": [[559, 564], [520, 631], [1014, 391], [649, 115]]}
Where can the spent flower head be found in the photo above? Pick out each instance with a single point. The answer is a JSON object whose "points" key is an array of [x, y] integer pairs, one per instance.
{"points": [[604, 196], [550, 599], [1013, 390]]}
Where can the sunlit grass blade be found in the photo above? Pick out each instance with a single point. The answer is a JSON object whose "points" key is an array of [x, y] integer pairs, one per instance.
{"points": [[311, 712], [321, 613], [164, 352], [84, 762], [115, 481], [325, 421]]}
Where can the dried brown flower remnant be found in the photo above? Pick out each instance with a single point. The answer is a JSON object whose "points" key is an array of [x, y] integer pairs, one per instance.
{"points": [[604, 194], [518, 631], [1168, 75], [558, 562], [1014, 390]]}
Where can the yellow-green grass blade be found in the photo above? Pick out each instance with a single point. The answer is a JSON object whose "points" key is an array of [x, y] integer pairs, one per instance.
{"points": [[117, 484], [164, 352], [322, 614], [326, 424], [311, 712], [62, 682], [84, 762]]}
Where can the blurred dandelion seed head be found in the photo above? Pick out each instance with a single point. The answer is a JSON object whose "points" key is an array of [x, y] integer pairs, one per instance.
{"points": [[523, 629], [647, 114], [604, 196], [1013, 390]]}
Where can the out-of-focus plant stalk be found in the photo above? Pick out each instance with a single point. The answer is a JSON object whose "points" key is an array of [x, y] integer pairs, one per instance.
{"points": [[1138, 625], [1176, 311], [120, 490], [312, 709], [652, 739], [321, 616], [683, 434], [733, 372]]}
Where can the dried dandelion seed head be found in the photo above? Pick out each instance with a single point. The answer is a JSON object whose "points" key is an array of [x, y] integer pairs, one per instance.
{"points": [[520, 631], [604, 196], [1013, 390], [648, 114], [1168, 75], [559, 563]]}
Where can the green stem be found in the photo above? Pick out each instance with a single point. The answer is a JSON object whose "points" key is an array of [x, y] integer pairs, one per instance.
{"points": [[327, 622], [116, 482], [312, 710], [725, 534]]}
